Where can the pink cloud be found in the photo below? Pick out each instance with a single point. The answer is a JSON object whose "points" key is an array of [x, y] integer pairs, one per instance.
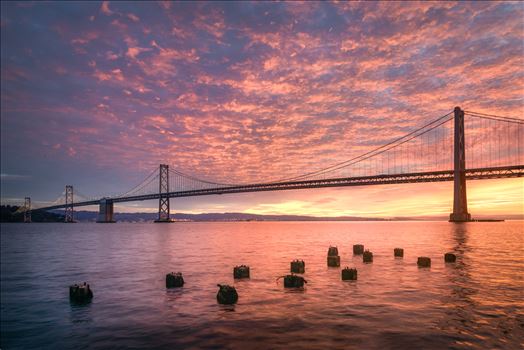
{"points": [[86, 38], [111, 56], [256, 97], [71, 151], [133, 17], [105, 8]]}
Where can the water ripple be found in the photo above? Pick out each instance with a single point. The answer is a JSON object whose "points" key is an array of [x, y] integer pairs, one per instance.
{"points": [[475, 303]]}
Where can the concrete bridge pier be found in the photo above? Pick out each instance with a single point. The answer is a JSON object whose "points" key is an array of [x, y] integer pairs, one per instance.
{"points": [[105, 214]]}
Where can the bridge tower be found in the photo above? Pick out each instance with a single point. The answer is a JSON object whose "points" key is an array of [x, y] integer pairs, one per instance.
{"points": [[27, 211], [69, 217], [163, 189], [460, 202]]}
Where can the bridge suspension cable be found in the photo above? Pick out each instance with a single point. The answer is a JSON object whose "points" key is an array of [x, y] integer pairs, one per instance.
{"points": [[78, 195], [494, 117], [206, 182], [384, 148], [493, 140], [149, 185], [139, 187]]}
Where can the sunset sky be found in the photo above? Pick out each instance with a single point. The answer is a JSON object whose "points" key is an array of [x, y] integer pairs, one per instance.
{"points": [[98, 94]]}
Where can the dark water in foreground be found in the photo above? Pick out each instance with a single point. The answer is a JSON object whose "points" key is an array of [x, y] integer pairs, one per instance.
{"points": [[475, 303]]}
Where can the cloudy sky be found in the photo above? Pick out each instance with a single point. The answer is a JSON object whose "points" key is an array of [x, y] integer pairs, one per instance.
{"points": [[97, 94]]}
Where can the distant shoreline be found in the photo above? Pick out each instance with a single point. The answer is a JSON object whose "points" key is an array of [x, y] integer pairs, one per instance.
{"points": [[92, 216], [245, 221]]}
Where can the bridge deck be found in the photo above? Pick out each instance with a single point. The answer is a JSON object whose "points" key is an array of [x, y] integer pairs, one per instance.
{"points": [[434, 176]]}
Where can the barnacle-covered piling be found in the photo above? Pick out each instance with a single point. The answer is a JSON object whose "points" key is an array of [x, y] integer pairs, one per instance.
{"points": [[332, 251], [367, 257], [298, 266], [294, 281], [349, 274], [227, 295], [80, 293], [450, 257], [424, 261], [333, 261], [358, 249], [241, 271], [174, 280]]}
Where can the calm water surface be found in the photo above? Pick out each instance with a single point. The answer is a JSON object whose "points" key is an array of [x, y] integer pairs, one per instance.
{"points": [[476, 303]]}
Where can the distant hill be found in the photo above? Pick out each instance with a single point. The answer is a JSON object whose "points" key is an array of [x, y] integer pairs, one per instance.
{"points": [[91, 216], [132, 217]]}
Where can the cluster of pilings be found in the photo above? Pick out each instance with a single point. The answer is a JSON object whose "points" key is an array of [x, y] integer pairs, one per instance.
{"points": [[82, 293]]}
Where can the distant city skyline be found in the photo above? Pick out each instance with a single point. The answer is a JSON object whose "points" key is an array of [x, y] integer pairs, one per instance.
{"points": [[97, 94]]}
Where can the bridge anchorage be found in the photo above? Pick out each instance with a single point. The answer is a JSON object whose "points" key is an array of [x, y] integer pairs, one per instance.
{"points": [[434, 152]]}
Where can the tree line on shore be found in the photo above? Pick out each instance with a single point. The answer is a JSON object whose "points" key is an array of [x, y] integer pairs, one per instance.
{"points": [[8, 213]]}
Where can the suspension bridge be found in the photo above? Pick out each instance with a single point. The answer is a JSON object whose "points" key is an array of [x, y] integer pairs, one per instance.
{"points": [[434, 152]]}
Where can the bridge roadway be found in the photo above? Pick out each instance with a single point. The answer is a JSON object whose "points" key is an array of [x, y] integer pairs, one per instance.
{"points": [[433, 176]]}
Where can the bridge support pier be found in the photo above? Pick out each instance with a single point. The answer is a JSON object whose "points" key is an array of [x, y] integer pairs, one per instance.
{"points": [[163, 202], [460, 203], [105, 213]]}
